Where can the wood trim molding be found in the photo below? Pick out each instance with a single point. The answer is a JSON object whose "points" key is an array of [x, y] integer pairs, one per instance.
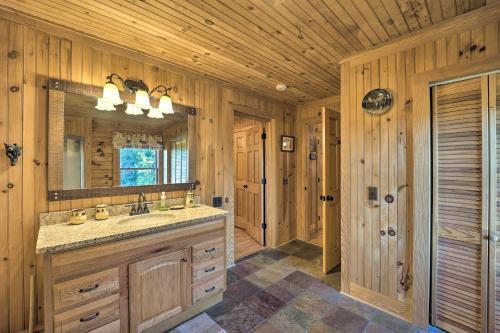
{"points": [[422, 208], [459, 23], [328, 101]]}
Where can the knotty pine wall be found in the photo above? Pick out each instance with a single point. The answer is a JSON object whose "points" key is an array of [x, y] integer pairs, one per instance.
{"points": [[378, 151], [28, 57]]}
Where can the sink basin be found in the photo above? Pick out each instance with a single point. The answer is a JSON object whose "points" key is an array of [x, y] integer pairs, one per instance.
{"points": [[147, 219]]}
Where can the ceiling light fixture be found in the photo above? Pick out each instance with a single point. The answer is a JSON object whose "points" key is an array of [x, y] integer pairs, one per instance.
{"points": [[111, 97], [281, 87]]}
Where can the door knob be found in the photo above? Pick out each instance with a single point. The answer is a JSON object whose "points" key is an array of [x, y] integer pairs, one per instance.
{"points": [[494, 238]]}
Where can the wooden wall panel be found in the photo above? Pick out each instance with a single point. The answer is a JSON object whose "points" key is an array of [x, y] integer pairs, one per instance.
{"points": [[23, 120], [381, 154]]}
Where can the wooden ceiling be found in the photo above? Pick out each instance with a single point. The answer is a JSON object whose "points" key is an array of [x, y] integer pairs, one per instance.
{"points": [[249, 43]]}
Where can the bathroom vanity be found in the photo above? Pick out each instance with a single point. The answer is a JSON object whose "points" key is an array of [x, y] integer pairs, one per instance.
{"points": [[144, 273]]}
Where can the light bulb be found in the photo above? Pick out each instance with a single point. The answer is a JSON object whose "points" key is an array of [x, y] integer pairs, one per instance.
{"points": [[111, 94], [155, 114], [133, 110], [104, 105], [165, 105], [142, 100]]}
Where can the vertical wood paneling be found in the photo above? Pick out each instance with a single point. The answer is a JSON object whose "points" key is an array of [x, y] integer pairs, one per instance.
{"points": [[4, 179], [396, 154], [40, 56]]}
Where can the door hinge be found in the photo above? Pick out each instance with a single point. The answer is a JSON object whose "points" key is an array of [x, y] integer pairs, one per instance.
{"points": [[264, 181], [263, 136]]}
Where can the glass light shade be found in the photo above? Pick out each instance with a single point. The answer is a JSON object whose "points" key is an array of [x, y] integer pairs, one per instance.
{"points": [[111, 94], [104, 105], [142, 100], [155, 114], [133, 110], [165, 105]]}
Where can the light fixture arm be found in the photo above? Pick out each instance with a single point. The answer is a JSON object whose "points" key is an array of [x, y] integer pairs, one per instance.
{"points": [[160, 88], [130, 86]]}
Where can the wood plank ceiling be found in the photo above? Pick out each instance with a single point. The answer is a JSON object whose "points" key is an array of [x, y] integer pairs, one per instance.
{"points": [[249, 43]]}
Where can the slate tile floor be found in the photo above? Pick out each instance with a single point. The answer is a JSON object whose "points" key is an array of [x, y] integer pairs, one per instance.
{"points": [[283, 290]]}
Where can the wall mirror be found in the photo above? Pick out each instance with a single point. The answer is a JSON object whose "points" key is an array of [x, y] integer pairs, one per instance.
{"points": [[106, 153]]}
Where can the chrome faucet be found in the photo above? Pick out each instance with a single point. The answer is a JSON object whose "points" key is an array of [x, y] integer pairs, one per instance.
{"points": [[141, 207]]}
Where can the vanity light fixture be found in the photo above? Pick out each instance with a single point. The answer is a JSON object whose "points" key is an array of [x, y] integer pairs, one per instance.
{"points": [[111, 97]]}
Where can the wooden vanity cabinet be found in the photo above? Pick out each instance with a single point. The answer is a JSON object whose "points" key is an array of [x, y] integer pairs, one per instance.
{"points": [[159, 288], [146, 284]]}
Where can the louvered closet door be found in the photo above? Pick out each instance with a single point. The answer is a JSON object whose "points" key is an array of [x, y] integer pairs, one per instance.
{"points": [[460, 199], [494, 288]]}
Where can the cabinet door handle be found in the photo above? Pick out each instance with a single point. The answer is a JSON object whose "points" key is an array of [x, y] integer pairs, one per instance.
{"points": [[208, 270], [89, 289], [184, 260], [210, 289], [494, 238], [89, 318], [210, 250]]}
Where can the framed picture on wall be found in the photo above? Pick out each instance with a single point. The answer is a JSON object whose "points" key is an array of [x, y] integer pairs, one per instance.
{"points": [[287, 143]]}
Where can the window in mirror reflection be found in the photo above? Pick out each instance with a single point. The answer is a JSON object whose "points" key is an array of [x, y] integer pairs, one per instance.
{"points": [[73, 162], [138, 166], [176, 163]]}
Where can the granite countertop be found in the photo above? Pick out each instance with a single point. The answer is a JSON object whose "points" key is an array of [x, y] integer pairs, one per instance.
{"points": [[65, 236]]}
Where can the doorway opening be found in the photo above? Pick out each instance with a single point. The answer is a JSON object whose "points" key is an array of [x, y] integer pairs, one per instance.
{"points": [[250, 185]]}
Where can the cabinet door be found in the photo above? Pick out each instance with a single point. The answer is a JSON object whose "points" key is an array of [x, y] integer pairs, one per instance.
{"points": [[159, 289]]}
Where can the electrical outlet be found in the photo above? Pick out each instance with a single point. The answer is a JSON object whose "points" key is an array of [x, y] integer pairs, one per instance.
{"points": [[217, 202], [372, 193]]}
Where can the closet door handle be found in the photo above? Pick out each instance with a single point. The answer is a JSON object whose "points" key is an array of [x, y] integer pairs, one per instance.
{"points": [[494, 238]]}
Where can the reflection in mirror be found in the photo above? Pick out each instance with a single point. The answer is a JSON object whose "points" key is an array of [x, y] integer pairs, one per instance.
{"points": [[112, 148]]}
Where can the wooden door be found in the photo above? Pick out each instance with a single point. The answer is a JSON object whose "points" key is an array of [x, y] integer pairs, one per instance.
{"points": [[159, 288], [331, 188], [494, 244], [254, 183], [240, 171], [460, 205]]}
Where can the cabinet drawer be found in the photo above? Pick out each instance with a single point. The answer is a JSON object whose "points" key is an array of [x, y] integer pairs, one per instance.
{"points": [[208, 288], [88, 317], [84, 289], [206, 269], [113, 327], [208, 250]]}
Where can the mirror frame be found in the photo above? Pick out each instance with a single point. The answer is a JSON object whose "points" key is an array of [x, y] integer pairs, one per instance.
{"points": [[57, 89]]}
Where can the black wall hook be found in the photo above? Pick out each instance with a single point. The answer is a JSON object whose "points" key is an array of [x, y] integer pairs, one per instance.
{"points": [[13, 152]]}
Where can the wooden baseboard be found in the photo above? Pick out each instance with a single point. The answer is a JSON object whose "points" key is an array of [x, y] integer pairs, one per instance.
{"points": [[188, 314], [402, 310]]}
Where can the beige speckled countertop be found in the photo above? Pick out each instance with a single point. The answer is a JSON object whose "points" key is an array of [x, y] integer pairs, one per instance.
{"points": [[65, 236]]}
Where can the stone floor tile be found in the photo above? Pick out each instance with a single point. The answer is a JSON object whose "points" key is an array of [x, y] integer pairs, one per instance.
{"points": [[260, 261], [332, 279], [200, 324], [290, 319], [241, 319], [376, 328], [241, 290], [344, 321], [281, 292], [225, 306], [274, 254], [324, 291], [301, 279], [395, 324], [319, 327], [264, 303], [312, 304], [361, 309], [243, 269], [288, 249], [265, 327], [265, 277]]}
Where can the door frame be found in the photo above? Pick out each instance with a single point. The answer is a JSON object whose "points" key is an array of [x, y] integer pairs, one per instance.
{"points": [[269, 190], [422, 174]]}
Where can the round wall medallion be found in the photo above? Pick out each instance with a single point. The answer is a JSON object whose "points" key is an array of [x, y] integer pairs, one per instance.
{"points": [[377, 101]]}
